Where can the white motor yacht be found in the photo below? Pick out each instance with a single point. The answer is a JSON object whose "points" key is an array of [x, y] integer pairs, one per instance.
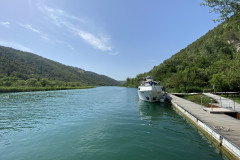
{"points": [[150, 91]]}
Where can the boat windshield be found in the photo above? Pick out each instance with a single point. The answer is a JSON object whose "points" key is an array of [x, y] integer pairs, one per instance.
{"points": [[151, 83]]}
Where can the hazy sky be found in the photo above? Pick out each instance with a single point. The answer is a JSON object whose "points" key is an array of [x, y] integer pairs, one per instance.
{"points": [[117, 38]]}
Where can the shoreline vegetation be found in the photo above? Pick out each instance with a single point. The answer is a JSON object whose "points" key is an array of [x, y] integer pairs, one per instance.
{"points": [[23, 71], [30, 89]]}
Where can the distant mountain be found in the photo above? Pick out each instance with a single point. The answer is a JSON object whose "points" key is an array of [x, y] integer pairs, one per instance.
{"points": [[213, 59], [122, 82], [19, 68]]}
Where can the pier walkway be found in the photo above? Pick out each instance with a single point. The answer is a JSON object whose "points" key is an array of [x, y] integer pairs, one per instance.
{"points": [[221, 127], [224, 102]]}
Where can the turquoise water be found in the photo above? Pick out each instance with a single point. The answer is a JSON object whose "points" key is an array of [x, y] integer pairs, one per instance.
{"points": [[103, 123]]}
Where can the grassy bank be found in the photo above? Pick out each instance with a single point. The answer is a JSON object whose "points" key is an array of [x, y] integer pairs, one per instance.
{"points": [[28, 89]]}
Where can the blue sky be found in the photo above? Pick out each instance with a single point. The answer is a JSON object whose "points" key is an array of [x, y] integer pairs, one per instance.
{"points": [[117, 38]]}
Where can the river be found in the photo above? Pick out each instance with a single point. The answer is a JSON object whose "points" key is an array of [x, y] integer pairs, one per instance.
{"points": [[103, 123]]}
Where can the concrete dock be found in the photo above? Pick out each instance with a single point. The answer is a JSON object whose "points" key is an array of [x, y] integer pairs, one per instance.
{"points": [[225, 130]]}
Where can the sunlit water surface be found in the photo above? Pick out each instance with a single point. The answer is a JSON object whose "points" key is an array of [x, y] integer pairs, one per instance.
{"points": [[103, 123]]}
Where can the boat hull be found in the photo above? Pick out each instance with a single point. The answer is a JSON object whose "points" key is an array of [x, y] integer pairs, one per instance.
{"points": [[150, 93]]}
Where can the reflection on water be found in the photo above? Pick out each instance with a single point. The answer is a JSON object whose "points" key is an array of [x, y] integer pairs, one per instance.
{"points": [[150, 111], [154, 112]]}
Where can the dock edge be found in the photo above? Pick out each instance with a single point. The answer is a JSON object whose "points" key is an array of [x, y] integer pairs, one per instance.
{"points": [[230, 149]]}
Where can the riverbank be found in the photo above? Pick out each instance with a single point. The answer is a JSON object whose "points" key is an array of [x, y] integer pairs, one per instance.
{"points": [[223, 130], [29, 89]]}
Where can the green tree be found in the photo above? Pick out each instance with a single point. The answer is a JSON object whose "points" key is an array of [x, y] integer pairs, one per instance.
{"points": [[32, 82], [44, 82], [19, 83], [225, 8], [219, 81], [233, 72]]}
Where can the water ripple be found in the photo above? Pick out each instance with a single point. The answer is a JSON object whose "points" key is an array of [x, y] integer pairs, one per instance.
{"points": [[99, 123]]}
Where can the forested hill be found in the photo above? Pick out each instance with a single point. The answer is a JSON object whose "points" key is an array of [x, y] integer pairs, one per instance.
{"points": [[213, 59], [19, 68]]}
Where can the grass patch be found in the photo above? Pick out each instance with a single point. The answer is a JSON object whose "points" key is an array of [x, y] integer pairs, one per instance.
{"points": [[197, 99], [28, 89]]}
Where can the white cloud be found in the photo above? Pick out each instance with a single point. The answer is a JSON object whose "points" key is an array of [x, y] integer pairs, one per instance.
{"points": [[30, 28], [57, 15], [15, 45], [75, 26], [100, 43], [5, 24]]}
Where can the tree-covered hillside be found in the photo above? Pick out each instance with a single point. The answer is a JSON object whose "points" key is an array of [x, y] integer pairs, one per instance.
{"points": [[213, 59], [19, 69]]}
